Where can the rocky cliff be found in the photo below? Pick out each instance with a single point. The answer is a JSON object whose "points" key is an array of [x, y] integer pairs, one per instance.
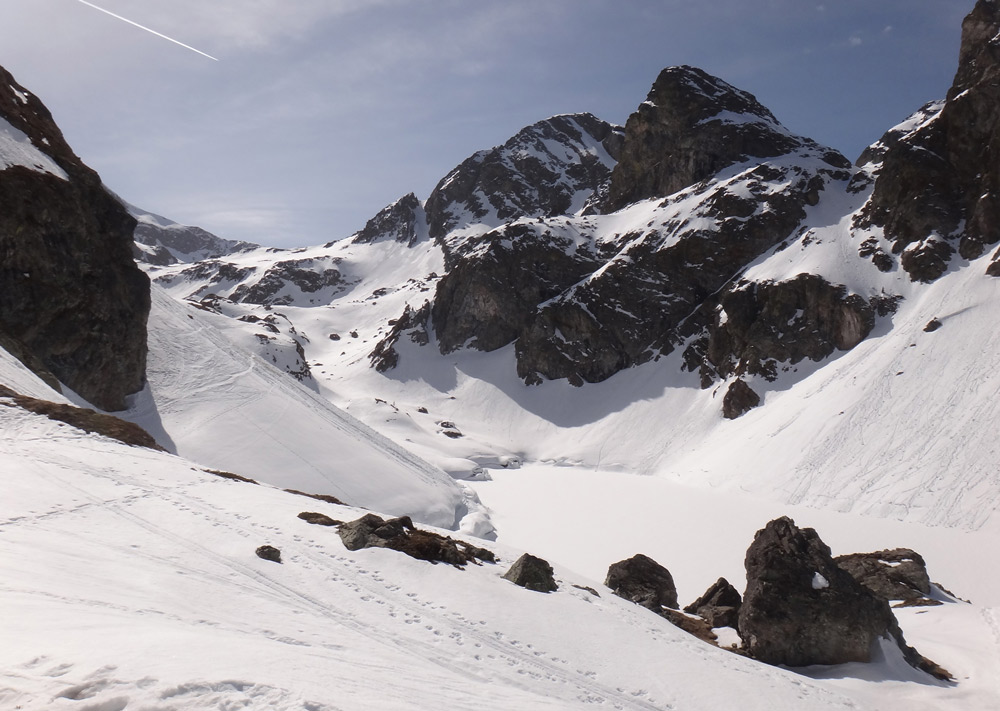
{"points": [[708, 181], [937, 191], [73, 304]]}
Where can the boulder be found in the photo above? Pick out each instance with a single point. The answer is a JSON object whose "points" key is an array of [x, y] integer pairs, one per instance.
{"points": [[897, 574], [269, 553], [739, 399], [318, 519], [643, 581], [532, 573], [399, 534], [372, 531], [719, 606], [800, 608]]}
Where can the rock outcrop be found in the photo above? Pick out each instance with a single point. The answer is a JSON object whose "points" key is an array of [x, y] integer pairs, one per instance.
{"points": [[937, 191], [643, 581], [759, 327], [82, 419], [719, 606], [414, 324], [399, 534], [897, 574], [71, 295], [800, 608], [532, 573], [403, 221]]}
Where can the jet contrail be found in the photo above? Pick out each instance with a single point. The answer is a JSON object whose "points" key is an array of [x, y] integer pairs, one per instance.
{"points": [[142, 27]]}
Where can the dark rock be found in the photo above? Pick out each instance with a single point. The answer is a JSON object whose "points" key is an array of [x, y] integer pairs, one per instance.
{"points": [[334, 336], [932, 325], [82, 419], [936, 190], [739, 400], [691, 126], [414, 323], [588, 589], [361, 533], [319, 519], [209, 275], [698, 627], [269, 553], [70, 291], [307, 275], [231, 476], [490, 295], [399, 534], [758, 325], [319, 497], [542, 171], [401, 222], [897, 574], [801, 608], [532, 573], [719, 606], [643, 581]]}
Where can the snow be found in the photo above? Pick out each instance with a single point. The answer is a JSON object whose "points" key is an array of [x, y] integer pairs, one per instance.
{"points": [[819, 582], [170, 608], [17, 149], [214, 403]]}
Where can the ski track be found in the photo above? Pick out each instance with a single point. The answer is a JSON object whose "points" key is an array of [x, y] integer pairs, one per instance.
{"points": [[363, 584]]}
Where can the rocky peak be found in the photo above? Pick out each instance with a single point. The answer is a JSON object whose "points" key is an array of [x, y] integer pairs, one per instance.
{"points": [[548, 168], [979, 54], [403, 221], [938, 186], [159, 241], [73, 303], [691, 126]]}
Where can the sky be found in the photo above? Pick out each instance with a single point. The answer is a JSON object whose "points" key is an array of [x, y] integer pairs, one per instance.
{"points": [[318, 113]]}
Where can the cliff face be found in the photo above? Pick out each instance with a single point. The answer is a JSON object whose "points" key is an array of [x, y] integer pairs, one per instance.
{"points": [[938, 187], [73, 303], [586, 296]]}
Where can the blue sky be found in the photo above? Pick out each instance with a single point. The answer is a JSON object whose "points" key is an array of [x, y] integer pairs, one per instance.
{"points": [[320, 112]]}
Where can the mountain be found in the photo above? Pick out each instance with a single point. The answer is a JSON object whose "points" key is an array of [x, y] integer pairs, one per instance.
{"points": [[587, 343], [159, 241], [717, 267]]}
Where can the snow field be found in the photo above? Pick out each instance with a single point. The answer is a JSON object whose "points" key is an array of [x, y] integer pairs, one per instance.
{"points": [[130, 581]]}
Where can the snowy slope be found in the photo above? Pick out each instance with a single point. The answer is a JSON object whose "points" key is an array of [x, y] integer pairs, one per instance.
{"points": [[130, 581], [223, 407]]}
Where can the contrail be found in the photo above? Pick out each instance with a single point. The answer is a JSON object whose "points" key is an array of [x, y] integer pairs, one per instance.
{"points": [[142, 27]]}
